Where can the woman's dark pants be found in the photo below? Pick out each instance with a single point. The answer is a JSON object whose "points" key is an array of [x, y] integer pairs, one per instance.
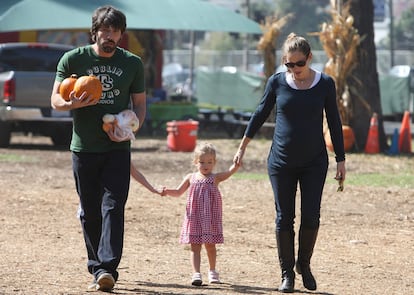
{"points": [[284, 180]]}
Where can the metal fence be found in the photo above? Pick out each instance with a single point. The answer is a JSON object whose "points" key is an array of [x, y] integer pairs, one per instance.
{"points": [[249, 59]]}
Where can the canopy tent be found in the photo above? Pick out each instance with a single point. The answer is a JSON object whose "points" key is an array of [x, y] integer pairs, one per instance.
{"points": [[191, 15]]}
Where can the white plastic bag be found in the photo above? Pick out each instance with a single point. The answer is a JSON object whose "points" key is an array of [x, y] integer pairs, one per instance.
{"points": [[124, 124]]}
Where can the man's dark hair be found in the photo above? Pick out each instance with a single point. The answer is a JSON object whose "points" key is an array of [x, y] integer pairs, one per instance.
{"points": [[107, 16]]}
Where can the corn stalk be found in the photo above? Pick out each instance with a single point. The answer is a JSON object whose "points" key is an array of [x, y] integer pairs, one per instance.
{"points": [[271, 30], [340, 41]]}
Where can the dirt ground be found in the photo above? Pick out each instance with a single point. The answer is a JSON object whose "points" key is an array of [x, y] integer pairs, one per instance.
{"points": [[365, 245]]}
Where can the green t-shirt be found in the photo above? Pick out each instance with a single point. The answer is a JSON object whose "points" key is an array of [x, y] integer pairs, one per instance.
{"points": [[120, 75]]}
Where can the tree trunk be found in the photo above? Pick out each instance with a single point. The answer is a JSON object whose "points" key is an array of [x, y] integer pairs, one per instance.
{"points": [[366, 73]]}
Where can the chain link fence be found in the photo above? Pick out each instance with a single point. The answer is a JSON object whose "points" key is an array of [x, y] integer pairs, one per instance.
{"points": [[251, 60]]}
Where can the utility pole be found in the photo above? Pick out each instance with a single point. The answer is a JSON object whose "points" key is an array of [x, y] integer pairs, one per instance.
{"points": [[391, 10], [246, 40]]}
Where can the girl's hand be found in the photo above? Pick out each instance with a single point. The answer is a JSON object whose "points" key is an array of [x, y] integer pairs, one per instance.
{"points": [[234, 167], [158, 191], [238, 157]]}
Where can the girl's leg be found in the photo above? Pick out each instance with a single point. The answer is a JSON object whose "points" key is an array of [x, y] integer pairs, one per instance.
{"points": [[212, 255], [196, 261], [213, 276], [196, 257]]}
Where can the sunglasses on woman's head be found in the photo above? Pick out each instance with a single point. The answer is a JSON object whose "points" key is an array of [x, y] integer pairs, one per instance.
{"points": [[291, 65]]}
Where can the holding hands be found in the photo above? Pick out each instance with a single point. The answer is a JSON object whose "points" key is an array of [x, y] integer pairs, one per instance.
{"points": [[238, 157]]}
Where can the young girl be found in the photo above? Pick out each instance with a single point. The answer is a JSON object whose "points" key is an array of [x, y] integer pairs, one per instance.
{"points": [[203, 219], [138, 176]]}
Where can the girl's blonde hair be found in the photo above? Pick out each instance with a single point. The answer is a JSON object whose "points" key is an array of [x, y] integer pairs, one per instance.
{"points": [[295, 43], [203, 149]]}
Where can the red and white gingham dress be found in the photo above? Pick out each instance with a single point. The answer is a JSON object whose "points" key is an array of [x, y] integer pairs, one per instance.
{"points": [[203, 218]]}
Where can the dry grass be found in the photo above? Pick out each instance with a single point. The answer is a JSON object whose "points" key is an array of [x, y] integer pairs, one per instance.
{"points": [[365, 244]]}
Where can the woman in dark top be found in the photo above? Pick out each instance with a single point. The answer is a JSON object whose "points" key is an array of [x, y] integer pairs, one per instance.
{"points": [[298, 152]]}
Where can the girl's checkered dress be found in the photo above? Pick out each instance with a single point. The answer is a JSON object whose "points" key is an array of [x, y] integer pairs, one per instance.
{"points": [[203, 218]]}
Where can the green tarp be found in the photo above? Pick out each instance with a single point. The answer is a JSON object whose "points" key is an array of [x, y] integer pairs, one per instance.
{"points": [[242, 91], [395, 94], [238, 91]]}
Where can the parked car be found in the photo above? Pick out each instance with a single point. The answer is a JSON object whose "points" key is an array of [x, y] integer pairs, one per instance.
{"points": [[256, 68], [176, 81], [27, 74]]}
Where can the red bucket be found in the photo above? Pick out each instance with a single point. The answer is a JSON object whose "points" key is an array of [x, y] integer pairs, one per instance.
{"points": [[182, 135]]}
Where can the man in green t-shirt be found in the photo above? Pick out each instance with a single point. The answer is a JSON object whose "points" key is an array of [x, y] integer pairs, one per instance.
{"points": [[101, 163]]}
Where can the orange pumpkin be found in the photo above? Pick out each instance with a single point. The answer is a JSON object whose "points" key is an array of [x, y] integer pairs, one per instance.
{"points": [[107, 126], [67, 85], [109, 122], [89, 84], [349, 139]]}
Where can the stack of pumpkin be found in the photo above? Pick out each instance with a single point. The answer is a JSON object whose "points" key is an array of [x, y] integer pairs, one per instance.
{"points": [[89, 84]]}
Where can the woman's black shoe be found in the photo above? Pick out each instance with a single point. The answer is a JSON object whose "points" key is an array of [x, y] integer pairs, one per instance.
{"points": [[288, 283], [307, 277]]}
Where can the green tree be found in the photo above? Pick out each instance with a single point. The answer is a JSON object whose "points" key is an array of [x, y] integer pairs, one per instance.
{"points": [[221, 41], [307, 17], [404, 31]]}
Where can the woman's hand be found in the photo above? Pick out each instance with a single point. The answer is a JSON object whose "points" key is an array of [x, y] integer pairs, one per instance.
{"points": [[340, 175], [238, 157]]}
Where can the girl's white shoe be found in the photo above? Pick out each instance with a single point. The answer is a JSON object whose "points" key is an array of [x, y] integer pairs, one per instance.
{"points": [[196, 280], [213, 277]]}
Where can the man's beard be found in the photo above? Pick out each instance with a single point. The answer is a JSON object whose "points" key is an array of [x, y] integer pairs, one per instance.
{"points": [[109, 46]]}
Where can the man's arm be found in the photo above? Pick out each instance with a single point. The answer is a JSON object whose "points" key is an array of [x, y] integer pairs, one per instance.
{"points": [[139, 102], [58, 103]]}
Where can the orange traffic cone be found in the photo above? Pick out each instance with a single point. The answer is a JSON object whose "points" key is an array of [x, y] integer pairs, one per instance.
{"points": [[372, 145], [404, 142]]}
